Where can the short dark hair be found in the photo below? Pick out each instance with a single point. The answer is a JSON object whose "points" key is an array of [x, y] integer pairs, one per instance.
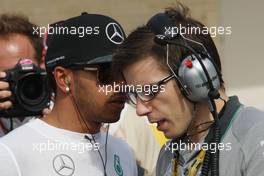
{"points": [[19, 24], [140, 43]]}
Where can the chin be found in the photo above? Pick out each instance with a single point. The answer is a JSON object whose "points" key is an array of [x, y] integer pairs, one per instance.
{"points": [[113, 120], [172, 134], [110, 120], [115, 117], [168, 135], [110, 117]]}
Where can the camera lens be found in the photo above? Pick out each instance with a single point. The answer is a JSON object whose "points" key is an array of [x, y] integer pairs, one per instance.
{"points": [[32, 89]]}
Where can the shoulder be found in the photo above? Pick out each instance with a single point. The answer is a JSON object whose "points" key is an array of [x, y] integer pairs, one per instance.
{"points": [[119, 148], [117, 144], [248, 123], [18, 141], [19, 134], [8, 162], [166, 150], [248, 130], [121, 152], [165, 157]]}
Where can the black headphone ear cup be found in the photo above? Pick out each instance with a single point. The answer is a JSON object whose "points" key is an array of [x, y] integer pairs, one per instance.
{"points": [[194, 79]]}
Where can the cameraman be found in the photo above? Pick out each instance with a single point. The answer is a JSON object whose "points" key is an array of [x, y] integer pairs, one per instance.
{"points": [[17, 40]]}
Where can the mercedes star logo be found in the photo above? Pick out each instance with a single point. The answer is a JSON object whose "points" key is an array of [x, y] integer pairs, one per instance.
{"points": [[114, 33], [63, 165]]}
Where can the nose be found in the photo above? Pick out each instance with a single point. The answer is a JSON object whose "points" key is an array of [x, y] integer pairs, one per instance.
{"points": [[142, 109]]}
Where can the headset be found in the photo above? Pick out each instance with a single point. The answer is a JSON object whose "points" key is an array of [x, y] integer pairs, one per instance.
{"points": [[197, 76]]}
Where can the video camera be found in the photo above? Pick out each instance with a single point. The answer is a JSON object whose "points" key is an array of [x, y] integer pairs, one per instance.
{"points": [[29, 87]]}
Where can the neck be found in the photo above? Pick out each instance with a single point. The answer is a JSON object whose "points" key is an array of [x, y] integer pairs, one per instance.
{"points": [[65, 116], [203, 115]]}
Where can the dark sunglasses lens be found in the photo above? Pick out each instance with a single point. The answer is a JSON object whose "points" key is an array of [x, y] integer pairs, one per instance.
{"points": [[105, 74]]}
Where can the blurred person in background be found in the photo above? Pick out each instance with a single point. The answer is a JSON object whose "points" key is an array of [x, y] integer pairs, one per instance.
{"points": [[17, 41]]}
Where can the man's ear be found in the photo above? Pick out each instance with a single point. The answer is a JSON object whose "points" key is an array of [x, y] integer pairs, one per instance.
{"points": [[63, 79]]}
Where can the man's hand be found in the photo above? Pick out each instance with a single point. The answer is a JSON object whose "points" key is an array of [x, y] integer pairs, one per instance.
{"points": [[4, 93]]}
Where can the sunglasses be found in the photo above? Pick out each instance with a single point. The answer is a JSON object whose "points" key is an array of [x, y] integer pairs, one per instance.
{"points": [[104, 72]]}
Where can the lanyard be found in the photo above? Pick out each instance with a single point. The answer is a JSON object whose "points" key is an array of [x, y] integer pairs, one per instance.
{"points": [[195, 166], [175, 167], [197, 163]]}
